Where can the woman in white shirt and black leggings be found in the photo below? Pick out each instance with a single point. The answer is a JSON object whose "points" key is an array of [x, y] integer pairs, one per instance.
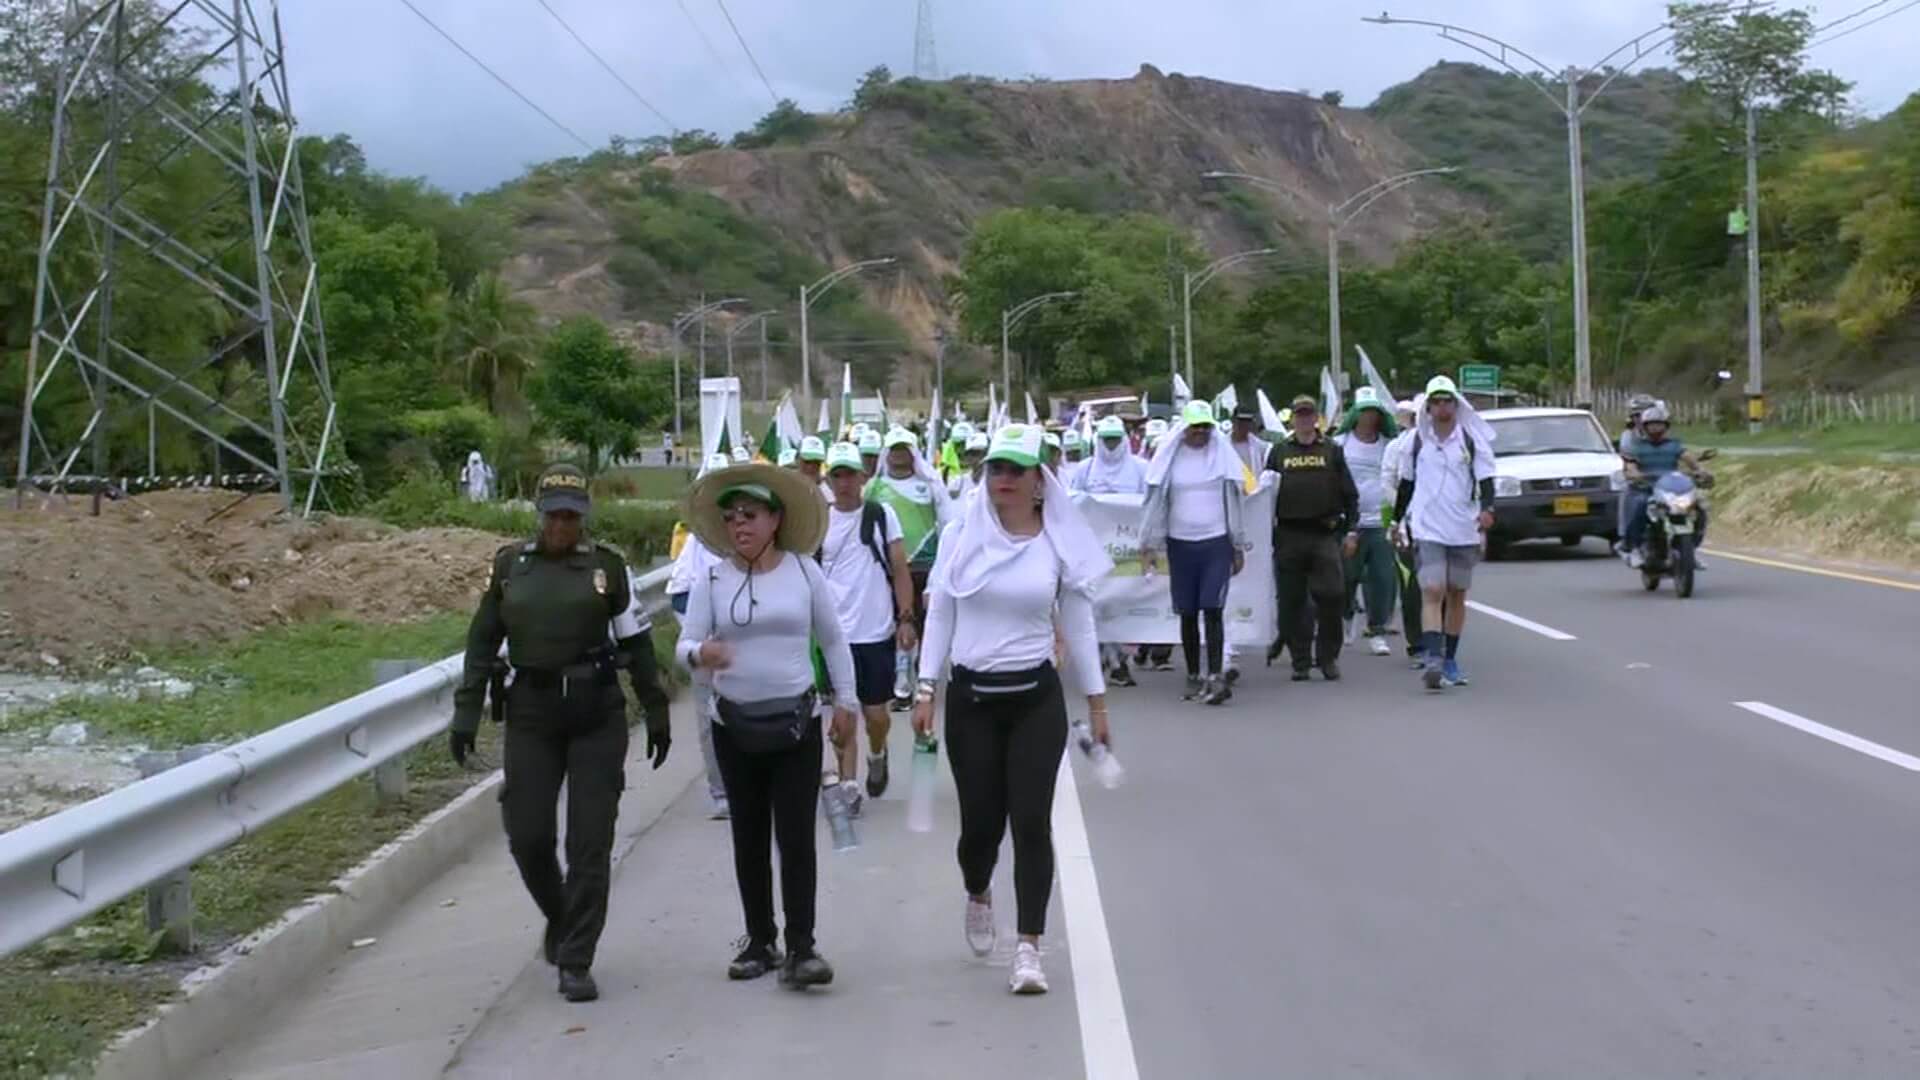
{"points": [[1020, 557], [749, 619]]}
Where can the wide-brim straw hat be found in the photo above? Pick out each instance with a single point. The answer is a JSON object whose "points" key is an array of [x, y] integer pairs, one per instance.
{"points": [[803, 514]]}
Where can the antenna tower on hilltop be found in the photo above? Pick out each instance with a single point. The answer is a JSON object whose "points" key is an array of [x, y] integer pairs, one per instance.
{"points": [[251, 378], [926, 61]]}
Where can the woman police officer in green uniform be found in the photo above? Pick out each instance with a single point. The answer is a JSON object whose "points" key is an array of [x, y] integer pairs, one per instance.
{"points": [[564, 606]]}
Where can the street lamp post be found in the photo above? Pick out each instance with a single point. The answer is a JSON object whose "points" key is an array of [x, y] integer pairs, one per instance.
{"points": [[733, 331], [679, 327], [1339, 216], [1192, 282], [1010, 318], [1572, 107], [810, 293]]}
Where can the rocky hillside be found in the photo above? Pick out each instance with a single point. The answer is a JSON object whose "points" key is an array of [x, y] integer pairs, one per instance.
{"points": [[907, 171]]}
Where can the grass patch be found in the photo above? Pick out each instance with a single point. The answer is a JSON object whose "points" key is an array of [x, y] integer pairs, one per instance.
{"points": [[1831, 503], [1838, 438], [639, 527], [50, 1026]]}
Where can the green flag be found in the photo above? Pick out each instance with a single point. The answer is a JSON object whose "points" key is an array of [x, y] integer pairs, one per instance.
{"points": [[772, 444]]}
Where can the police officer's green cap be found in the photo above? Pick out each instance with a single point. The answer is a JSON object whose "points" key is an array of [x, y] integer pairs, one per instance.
{"points": [[813, 448], [1303, 401], [1441, 386], [845, 455], [1197, 413], [900, 436], [1019, 444], [561, 487], [1111, 427]]}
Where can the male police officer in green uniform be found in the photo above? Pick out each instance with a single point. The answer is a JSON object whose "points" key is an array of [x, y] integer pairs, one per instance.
{"points": [[1313, 510], [563, 605]]}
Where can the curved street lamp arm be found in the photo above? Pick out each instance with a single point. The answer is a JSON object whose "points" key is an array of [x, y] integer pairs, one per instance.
{"points": [[814, 291], [745, 323], [1472, 39], [684, 321], [1257, 181], [1214, 268], [1026, 308], [1342, 216]]}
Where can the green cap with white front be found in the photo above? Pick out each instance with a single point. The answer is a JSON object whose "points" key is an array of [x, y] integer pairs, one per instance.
{"points": [[1111, 427], [899, 436], [870, 443], [1197, 413], [1442, 386], [845, 455], [813, 448], [1019, 444], [1070, 439]]}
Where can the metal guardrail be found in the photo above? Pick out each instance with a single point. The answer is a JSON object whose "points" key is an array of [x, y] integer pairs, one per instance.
{"points": [[60, 869]]}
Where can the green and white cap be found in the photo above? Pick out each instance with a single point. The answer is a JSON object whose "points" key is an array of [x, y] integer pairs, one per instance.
{"points": [[977, 443], [1018, 443], [1442, 385], [1051, 440], [1197, 413], [962, 431], [1111, 427], [740, 455], [788, 458], [1156, 427], [1070, 439], [870, 443], [845, 455], [858, 432], [718, 460], [813, 448], [899, 436]]}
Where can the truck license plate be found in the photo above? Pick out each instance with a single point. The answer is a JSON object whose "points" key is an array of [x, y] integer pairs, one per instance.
{"points": [[1570, 505]]}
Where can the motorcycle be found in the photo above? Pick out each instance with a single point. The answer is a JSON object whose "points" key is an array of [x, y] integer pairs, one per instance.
{"points": [[1673, 532]]}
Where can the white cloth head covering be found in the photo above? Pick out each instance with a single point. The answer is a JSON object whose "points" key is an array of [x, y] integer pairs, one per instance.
{"points": [[1466, 417], [976, 547], [1117, 469], [1221, 460]]}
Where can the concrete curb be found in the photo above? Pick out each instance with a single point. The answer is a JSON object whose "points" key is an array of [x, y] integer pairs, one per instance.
{"points": [[249, 976]]}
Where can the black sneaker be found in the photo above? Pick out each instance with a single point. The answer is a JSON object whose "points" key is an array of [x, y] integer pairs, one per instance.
{"points": [[1122, 676], [900, 704], [1330, 671], [1140, 656], [1196, 686], [577, 985], [877, 774], [1233, 675], [1301, 674], [756, 959], [1217, 693], [804, 969], [1163, 663]]}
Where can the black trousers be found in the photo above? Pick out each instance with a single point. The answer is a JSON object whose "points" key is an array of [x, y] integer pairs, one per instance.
{"points": [[542, 750], [1410, 613], [1310, 564], [1005, 750], [771, 799]]}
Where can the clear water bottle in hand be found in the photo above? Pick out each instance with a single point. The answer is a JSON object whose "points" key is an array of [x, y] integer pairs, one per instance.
{"points": [[926, 763], [1106, 767], [835, 802], [902, 675]]}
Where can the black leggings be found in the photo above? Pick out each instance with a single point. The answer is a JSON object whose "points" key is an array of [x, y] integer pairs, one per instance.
{"points": [[1216, 643], [1005, 751], [771, 796]]}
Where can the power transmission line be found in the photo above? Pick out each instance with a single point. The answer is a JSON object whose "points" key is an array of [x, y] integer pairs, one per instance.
{"points": [[1864, 25], [671, 126], [1818, 30], [704, 39], [497, 77], [743, 48]]}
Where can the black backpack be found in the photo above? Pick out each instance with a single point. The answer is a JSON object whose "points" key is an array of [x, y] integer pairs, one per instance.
{"points": [[1413, 460], [873, 519]]}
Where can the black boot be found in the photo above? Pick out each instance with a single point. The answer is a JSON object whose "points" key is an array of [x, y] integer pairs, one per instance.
{"points": [[577, 985], [756, 958], [805, 968]]}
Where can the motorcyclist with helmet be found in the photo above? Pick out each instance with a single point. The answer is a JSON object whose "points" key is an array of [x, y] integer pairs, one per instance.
{"points": [[1649, 455]]}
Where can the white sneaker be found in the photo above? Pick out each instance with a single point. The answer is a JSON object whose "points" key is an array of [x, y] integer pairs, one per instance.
{"points": [[1027, 976], [1636, 560], [1352, 629], [981, 932], [1378, 646]]}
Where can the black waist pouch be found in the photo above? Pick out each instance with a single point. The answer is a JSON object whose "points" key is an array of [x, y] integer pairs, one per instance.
{"points": [[1005, 688], [767, 727]]}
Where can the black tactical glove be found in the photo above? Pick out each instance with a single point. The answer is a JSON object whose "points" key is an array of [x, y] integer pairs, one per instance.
{"points": [[659, 737], [459, 744]]}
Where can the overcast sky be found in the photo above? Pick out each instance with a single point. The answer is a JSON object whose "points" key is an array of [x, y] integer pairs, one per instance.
{"points": [[370, 68]]}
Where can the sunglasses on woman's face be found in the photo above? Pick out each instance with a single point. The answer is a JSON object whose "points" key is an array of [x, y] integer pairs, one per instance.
{"points": [[1006, 468]]}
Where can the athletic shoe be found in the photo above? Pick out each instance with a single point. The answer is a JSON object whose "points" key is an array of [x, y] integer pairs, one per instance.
{"points": [[1233, 675], [1453, 675], [804, 969], [1637, 560], [1698, 562], [1217, 692], [1140, 657], [755, 959], [1163, 663], [1196, 686], [1432, 676], [1351, 629], [721, 810], [1378, 646], [900, 704], [1330, 671], [577, 985], [1027, 976], [1122, 676], [877, 774], [982, 934], [856, 799], [1301, 674]]}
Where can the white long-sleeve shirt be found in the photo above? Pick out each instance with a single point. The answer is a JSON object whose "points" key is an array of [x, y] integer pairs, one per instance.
{"points": [[1008, 624], [768, 629]]}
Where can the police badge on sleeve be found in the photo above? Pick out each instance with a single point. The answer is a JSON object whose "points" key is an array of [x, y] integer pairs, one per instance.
{"points": [[600, 581]]}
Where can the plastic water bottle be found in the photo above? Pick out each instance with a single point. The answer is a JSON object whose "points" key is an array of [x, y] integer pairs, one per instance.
{"points": [[834, 800], [926, 763], [1106, 767], [902, 675]]}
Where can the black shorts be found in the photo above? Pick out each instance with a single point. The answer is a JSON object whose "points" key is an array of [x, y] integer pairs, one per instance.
{"points": [[873, 672]]}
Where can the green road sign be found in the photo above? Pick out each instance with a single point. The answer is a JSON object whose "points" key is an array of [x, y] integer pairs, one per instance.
{"points": [[1481, 377]]}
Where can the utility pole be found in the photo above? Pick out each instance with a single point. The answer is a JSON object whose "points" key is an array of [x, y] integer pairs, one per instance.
{"points": [[1756, 391], [810, 293], [764, 399], [1577, 172], [1192, 282], [703, 341], [1010, 318], [679, 327]]}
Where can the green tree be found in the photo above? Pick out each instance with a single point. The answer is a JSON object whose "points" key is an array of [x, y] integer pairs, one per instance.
{"points": [[788, 122], [694, 140], [873, 87], [1333, 98], [492, 337], [1740, 57], [588, 390]]}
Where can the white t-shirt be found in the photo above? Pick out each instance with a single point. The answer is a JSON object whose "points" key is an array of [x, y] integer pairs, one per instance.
{"points": [[1008, 625], [1197, 508], [863, 595], [1446, 491], [1363, 461]]}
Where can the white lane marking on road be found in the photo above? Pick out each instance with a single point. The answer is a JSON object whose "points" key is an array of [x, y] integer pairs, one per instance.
{"points": [[1524, 624], [1832, 735], [1106, 1043]]}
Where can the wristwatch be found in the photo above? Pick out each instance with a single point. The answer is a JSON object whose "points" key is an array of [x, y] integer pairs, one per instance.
{"points": [[924, 695]]}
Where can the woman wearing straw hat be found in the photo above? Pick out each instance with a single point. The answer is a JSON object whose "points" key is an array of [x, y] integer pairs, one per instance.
{"points": [[1019, 554], [748, 626]]}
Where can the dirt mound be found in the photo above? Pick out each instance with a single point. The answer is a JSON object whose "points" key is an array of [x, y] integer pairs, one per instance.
{"points": [[1864, 512], [173, 568]]}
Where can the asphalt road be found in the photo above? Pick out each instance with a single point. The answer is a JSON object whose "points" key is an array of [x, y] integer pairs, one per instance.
{"points": [[1595, 861]]}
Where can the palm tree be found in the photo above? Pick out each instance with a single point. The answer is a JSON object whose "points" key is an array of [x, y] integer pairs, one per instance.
{"points": [[493, 337]]}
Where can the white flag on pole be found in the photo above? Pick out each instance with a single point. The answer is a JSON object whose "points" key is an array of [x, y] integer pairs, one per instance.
{"points": [[1372, 375], [1033, 414], [787, 422], [1330, 397], [933, 428], [1228, 401], [826, 422], [1182, 393]]}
